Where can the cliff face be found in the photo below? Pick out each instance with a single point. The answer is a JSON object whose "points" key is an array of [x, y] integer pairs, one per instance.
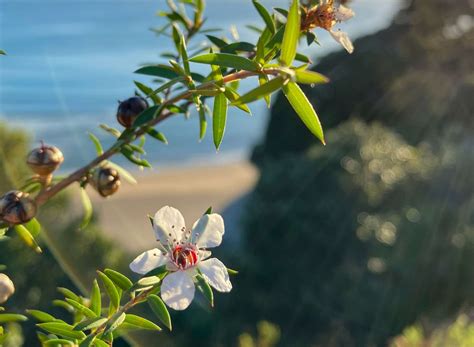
{"points": [[417, 77]]}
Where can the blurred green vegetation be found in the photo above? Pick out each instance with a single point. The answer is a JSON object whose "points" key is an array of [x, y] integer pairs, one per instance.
{"points": [[459, 333], [36, 276]]}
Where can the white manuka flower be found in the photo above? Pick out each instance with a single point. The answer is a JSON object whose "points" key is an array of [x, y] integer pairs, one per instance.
{"points": [[184, 253]]}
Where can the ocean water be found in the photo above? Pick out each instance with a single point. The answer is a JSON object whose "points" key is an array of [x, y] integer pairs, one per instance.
{"points": [[69, 61]]}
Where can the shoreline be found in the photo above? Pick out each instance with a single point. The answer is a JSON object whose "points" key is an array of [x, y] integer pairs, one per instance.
{"points": [[123, 217]]}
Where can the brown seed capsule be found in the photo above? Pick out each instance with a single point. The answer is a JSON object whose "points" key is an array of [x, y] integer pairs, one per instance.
{"points": [[6, 288], [130, 109], [106, 181], [45, 159], [17, 208]]}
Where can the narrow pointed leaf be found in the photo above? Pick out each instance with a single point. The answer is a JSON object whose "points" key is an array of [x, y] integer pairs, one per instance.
{"points": [[87, 206], [233, 96], [292, 34], [34, 227], [81, 308], [159, 309], [226, 60], [267, 18], [260, 92], [12, 317], [58, 342], [62, 329], [41, 316], [205, 289], [310, 77], [202, 123], [87, 342], [111, 291], [219, 119], [119, 279], [91, 323], [27, 238], [147, 116], [304, 109], [98, 146], [114, 322], [141, 322], [96, 299]]}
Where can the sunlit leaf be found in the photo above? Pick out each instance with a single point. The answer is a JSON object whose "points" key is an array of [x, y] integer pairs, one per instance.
{"points": [[292, 34], [41, 316], [141, 322], [27, 238], [159, 308], [96, 299], [261, 91], [219, 119], [310, 77], [87, 206], [111, 291], [267, 18], [226, 60], [304, 109], [11, 317], [119, 279], [61, 329], [98, 146], [81, 308], [91, 323]]}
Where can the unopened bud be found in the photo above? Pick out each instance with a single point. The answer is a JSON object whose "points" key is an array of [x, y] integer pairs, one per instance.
{"points": [[6, 288], [106, 181], [45, 159], [17, 208], [130, 109]]}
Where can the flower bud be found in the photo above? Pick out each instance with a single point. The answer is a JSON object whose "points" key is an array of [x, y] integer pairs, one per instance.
{"points": [[130, 109], [106, 181], [6, 288], [17, 208], [45, 159]]}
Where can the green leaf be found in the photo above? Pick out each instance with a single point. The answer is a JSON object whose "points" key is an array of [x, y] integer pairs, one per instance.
{"points": [[261, 91], [125, 174], [148, 92], [98, 146], [34, 227], [310, 77], [27, 238], [114, 132], [267, 18], [202, 122], [129, 154], [96, 299], [232, 272], [219, 119], [235, 47], [119, 279], [58, 342], [111, 291], [146, 116], [87, 342], [304, 109], [208, 211], [205, 289], [100, 343], [226, 60], [114, 322], [159, 309], [62, 329], [158, 70], [88, 210], [167, 85], [141, 322], [2, 52], [81, 308], [292, 34], [69, 294], [217, 41], [41, 316], [90, 324], [157, 135], [232, 96], [148, 281], [262, 79], [12, 317]]}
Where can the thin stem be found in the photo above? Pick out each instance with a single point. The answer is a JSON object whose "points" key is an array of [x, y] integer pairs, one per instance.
{"points": [[76, 176]]}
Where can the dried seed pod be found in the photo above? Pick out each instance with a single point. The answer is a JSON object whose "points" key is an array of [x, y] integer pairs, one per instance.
{"points": [[17, 207], [106, 181], [45, 159], [130, 109], [6, 288]]}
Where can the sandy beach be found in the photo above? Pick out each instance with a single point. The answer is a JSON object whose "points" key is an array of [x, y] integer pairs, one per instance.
{"points": [[123, 217]]}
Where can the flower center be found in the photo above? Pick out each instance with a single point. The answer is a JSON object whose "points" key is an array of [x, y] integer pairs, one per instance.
{"points": [[185, 256]]}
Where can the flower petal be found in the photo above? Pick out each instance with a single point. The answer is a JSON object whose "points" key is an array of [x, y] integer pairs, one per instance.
{"points": [[169, 226], [177, 290], [208, 231], [216, 274], [148, 261], [343, 39], [343, 13]]}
